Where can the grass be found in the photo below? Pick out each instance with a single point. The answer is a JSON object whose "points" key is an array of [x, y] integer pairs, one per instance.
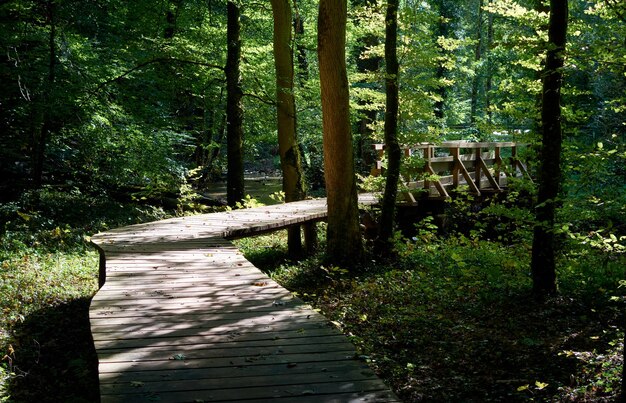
{"points": [[48, 274]]}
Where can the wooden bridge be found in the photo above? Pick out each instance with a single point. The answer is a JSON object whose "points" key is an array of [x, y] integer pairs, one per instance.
{"points": [[181, 315], [184, 317], [438, 168]]}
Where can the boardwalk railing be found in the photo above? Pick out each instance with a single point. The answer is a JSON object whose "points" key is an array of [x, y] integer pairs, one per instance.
{"points": [[483, 167]]}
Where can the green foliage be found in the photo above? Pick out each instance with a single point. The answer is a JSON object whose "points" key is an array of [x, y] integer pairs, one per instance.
{"points": [[248, 202], [48, 273]]}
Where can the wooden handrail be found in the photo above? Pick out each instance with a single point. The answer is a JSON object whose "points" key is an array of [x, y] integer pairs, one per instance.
{"points": [[481, 169]]}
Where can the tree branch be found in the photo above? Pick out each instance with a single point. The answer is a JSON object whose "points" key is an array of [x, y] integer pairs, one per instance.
{"points": [[154, 61], [264, 100]]}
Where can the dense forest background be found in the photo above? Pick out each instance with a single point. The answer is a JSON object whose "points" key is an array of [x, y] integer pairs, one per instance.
{"points": [[111, 95], [114, 112]]}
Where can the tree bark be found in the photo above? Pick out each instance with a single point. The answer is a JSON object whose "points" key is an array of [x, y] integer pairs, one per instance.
{"points": [[303, 62], [43, 133], [344, 245], [290, 159], [445, 13], [234, 108], [477, 57], [392, 147], [366, 64], [543, 255], [489, 81]]}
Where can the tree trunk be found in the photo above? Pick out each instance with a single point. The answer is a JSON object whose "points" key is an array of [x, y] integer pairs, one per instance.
{"points": [[42, 135], [392, 148], [443, 31], [477, 57], [290, 159], [489, 82], [303, 62], [234, 108], [543, 254], [344, 244], [366, 64]]}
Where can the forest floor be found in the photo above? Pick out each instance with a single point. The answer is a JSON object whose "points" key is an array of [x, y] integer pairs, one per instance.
{"points": [[448, 320], [455, 321]]}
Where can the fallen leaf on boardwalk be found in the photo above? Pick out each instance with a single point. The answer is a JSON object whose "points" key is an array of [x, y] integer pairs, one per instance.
{"points": [[179, 357], [136, 384], [260, 283]]}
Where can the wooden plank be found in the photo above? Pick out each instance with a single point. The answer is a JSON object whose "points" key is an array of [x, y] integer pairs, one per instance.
{"points": [[232, 342], [197, 352], [231, 335], [239, 393], [239, 372], [227, 362], [212, 383], [231, 329]]}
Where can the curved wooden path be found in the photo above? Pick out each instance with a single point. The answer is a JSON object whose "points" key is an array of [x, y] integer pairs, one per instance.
{"points": [[184, 317]]}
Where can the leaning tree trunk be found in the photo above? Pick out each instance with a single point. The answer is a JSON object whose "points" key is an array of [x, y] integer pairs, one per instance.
{"points": [[344, 244], [392, 148], [290, 159], [543, 255], [234, 108]]}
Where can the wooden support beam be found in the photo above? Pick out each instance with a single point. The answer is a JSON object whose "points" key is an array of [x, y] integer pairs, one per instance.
{"points": [[481, 163], [468, 178], [310, 237], [498, 165]]}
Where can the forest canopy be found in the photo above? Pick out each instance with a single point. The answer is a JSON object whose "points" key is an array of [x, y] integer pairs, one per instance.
{"points": [[119, 95]]}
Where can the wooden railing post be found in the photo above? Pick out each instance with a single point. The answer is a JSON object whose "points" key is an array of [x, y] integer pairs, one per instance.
{"points": [[477, 167], [310, 237], [427, 167], [454, 151], [498, 164]]}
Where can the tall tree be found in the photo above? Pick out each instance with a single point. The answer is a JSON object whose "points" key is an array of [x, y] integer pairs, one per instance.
{"points": [[303, 62], [392, 147], [344, 244], [234, 107], [443, 32], [477, 58], [41, 135], [367, 67], [290, 158], [543, 255]]}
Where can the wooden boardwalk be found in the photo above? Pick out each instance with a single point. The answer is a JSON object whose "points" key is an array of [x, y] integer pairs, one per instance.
{"points": [[184, 317]]}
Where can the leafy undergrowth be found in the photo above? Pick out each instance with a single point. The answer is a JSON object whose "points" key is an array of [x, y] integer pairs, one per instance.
{"points": [[455, 321], [48, 273]]}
